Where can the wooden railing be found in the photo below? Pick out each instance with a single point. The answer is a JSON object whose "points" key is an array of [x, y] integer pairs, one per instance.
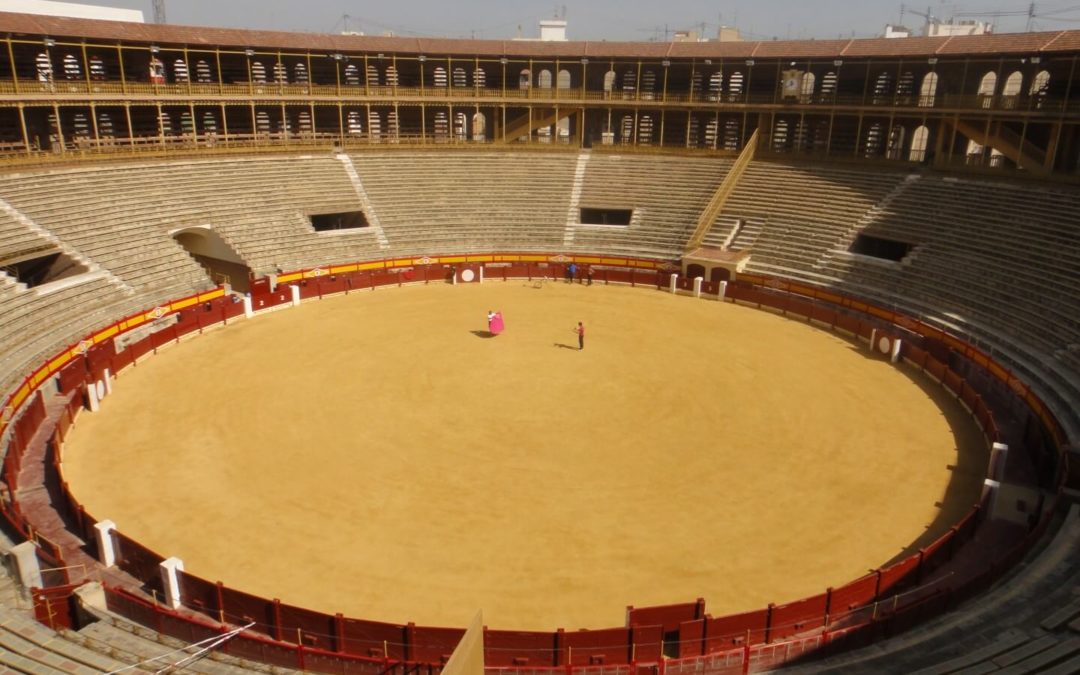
{"points": [[723, 191]]}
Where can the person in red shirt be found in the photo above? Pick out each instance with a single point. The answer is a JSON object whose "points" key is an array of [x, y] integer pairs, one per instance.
{"points": [[580, 330]]}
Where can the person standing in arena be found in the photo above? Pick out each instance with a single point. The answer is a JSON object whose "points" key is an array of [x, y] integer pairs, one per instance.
{"points": [[580, 330]]}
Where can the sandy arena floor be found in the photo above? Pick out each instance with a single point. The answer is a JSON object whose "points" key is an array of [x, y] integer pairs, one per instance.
{"points": [[374, 454]]}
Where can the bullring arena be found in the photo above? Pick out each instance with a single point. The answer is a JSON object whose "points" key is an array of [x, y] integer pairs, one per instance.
{"points": [[253, 419]]}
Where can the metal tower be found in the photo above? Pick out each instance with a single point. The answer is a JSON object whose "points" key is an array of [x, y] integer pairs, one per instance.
{"points": [[159, 11]]}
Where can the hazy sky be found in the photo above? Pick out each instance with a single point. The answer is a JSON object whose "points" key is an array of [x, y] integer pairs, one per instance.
{"points": [[602, 19]]}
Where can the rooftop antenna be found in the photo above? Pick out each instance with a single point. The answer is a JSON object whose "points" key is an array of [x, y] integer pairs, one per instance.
{"points": [[159, 11]]}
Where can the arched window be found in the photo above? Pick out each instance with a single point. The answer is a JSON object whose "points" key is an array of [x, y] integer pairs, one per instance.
{"points": [[712, 133], [262, 123], [258, 72], [391, 76], [374, 124], [281, 73], [928, 90], [479, 126], [731, 134], [807, 91], [300, 74], [629, 81], [735, 86], [460, 77], [372, 76], [479, 78], [882, 88], [609, 82], [354, 125], [1040, 84], [919, 141], [439, 76], [626, 129], [563, 81], [81, 125], [352, 75], [165, 126], [392, 125], [645, 129], [524, 79], [905, 87], [874, 141], [105, 125], [1010, 92], [72, 70], [695, 85], [209, 123], [716, 86], [203, 74], [895, 147], [828, 86], [187, 124], [987, 88], [97, 68], [44, 67], [442, 127], [543, 79], [648, 84], [461, 127], [780, 136], [180, 71], [303, 123]]}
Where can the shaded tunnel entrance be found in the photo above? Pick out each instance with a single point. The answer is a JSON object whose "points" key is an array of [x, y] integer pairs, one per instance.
{"points": [[221, 262]]}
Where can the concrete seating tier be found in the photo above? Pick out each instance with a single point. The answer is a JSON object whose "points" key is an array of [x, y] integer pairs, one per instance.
{"points": [[432, 202], [18, 241], [667, 195]]}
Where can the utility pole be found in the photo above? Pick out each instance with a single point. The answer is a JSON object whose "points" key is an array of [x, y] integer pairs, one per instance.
{"points": [[1031, 18], [159, 11]]}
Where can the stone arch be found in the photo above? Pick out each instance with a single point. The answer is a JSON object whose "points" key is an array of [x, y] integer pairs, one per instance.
{"points": [[987, 89], [543, 79], [479, 126], [928, 90], [920, 140], [524, 79], [807, 88], [563, 81]]}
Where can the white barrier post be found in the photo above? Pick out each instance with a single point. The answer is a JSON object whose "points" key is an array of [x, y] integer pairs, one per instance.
{"points": [[873, 340], [108, 382], [994, 488], [895, 356], [170, 581], [481, 274], [92, 397], [249, 311], [723, 290], [697, 286], [674, 282], [106, 552], [26, 565], [999, 453], [295, 290]]}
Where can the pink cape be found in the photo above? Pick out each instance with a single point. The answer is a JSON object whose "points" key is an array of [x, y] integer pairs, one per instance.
{"points": [[495, 325]]}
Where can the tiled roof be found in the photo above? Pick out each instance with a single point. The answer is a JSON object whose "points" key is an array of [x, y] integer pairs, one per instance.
{"points": [[1006, 43]]}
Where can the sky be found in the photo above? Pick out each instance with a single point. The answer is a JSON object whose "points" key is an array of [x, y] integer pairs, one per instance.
{"points": [[604, 19]]}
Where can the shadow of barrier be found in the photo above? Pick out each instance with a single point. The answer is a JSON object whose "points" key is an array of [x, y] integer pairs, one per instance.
{"points": [[678, 638]]}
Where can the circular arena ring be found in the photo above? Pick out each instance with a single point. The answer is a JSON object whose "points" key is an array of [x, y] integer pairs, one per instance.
{"points": [[751, 456]]}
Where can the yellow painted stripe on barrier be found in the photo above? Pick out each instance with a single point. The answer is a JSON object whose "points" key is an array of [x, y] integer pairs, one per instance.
{"points": [[106, 334], [314, 274], [21, 395], [533, 258], [212, 295], [135, 321], [40, 376], [612, 261], [481, 258], [507, 258], [454, 259], [182, 304], [285, 278], [342, 269], [59, 362], [589, 261], [370, 266]]}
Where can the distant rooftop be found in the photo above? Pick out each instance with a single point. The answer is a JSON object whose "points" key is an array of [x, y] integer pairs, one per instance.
{"points": [[70, 9]]}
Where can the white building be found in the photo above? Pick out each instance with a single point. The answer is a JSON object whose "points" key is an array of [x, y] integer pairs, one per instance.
{"points": [[950, 28], [70, 9], [892, 31]]}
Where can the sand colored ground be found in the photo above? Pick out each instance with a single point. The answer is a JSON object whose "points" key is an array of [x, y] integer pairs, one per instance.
{"points": [[374, 454]]}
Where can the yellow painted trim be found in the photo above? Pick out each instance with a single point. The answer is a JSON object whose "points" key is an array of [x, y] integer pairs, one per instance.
{"points": [[371, 266], [135, 321], [285, 278], [612, 261], [533, 258], [21, 394], [212, 295], [342, 269], [481, 258], [105, 334], [59, 362], [183, 304], [455, 259]]}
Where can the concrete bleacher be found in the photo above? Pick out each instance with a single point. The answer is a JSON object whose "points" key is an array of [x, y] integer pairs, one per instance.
{"points": [[458, 202], [18, 242], [667, 195]]}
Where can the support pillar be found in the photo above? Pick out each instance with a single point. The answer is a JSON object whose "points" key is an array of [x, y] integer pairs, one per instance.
{"points": [[674, 283], [106, 552], [999, 453], [895, 355], [481, 274], [295, 292], [722, 291], [992, 487], [249, 311], [170, 581], [697, 286], [26, 565]]}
